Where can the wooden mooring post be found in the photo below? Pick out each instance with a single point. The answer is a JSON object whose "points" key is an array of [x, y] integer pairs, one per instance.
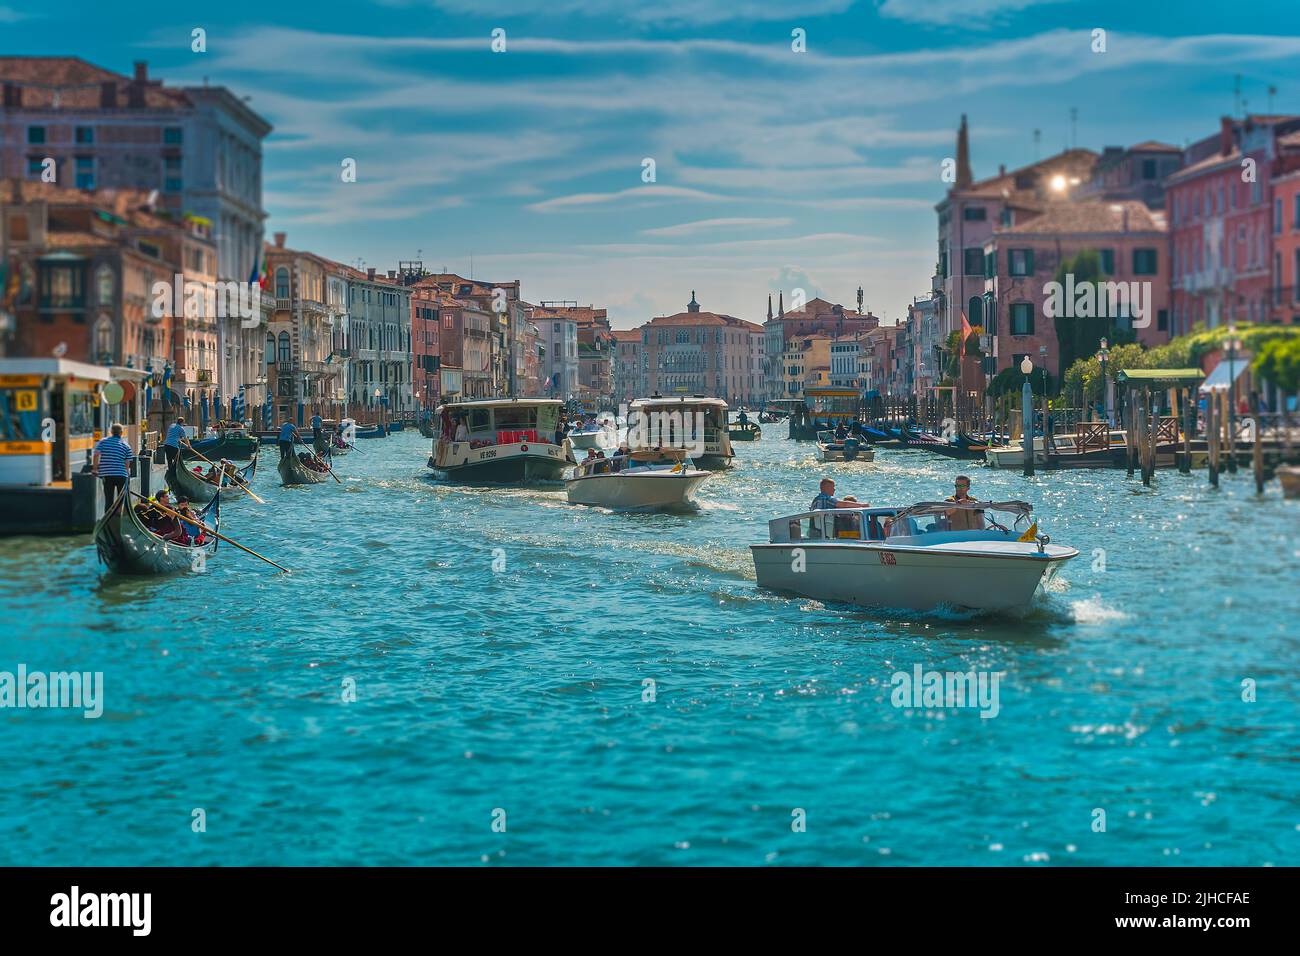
{"points": [[1212, 437], [1257, 447]]}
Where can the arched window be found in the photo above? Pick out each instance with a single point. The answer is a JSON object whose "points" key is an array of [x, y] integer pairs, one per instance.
{"points": [[285, 355], [975, 311], [282, 283], [270, 349], [104, 339]]}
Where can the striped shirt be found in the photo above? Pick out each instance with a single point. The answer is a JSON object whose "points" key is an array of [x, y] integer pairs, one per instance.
{"points": [[174, 436], [114, 454], [824, 502]]}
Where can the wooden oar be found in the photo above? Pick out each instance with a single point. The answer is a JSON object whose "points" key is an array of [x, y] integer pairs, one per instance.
{"points": [[243, 484], [207, 530], [322, 461]]}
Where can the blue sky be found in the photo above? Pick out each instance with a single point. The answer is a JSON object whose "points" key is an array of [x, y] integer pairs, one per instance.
{"points": [[775, 169]]}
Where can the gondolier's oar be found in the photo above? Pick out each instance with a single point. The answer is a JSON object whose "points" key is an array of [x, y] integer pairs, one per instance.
{"points": [[206, 529], [242, 483], [322, 461]]}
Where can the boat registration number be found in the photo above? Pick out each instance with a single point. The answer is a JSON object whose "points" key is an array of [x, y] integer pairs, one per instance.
{"points": [[887, 557], [488, 454]]}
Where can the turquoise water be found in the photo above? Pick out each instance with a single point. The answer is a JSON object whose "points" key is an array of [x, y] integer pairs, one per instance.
{"points": [[521, 689]]}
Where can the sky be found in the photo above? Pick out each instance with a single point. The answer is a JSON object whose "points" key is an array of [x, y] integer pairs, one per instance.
{"points": [[774, 169]]}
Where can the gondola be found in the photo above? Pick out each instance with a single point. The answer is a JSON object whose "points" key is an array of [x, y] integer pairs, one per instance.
{"points": [[746, 432], [234, 443], [294, 472], [198, 489], [952, 449], [128, 547]]}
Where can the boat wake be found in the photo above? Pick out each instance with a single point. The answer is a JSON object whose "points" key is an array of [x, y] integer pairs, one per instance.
{"points": [[1094, 610]]}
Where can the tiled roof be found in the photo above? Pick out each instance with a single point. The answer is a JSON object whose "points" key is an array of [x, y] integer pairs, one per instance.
{"points": [[1151, 146], [70, 83], [1090, 216], [1074, 162]]}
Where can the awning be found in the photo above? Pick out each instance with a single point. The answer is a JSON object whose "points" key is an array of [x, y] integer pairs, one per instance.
{"points": [[1218, 379]]}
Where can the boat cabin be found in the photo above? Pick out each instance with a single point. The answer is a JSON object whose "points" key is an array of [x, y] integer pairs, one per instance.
{"points": [[681, 421], [922, 525], [506, 421]]}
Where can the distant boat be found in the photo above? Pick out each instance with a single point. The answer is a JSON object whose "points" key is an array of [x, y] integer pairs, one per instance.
{"points": [[197, 488], [1289, 476], [671, 422], [849, 448], [234, 443], [293, 471]]}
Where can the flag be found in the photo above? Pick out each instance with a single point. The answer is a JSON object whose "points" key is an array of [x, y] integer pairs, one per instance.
{"points": [[1031, 534], [254, 275], [965, 331]]}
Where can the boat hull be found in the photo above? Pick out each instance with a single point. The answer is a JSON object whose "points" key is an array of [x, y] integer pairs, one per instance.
{"points": [[581, 441], [294, 472], [871, 575], [829, 453], [196, 489], [126, 546], [1289, 476], [499, 464], [662, 491]]}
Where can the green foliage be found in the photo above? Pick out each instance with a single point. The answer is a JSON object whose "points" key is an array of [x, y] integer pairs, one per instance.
{"points": [[1271, 344], [953, 368], [1278, 361], [1077, 337], [1011, 380]]}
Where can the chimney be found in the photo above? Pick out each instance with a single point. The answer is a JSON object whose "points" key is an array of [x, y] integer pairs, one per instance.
{"points": [[279, 240], [108, 95], [141, 71], [370, 274], [1002, 169], [1225, 135]]}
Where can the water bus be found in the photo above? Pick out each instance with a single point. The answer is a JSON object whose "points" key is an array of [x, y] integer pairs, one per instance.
{"points": [[506, 440], [693, 422]]}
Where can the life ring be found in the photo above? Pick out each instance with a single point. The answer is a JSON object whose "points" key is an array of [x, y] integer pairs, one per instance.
{"points": [[523, 448]]}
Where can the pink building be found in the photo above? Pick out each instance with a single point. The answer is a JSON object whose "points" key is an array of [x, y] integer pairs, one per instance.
{"points": [[1221, 212], [1022, 262], [1286, 233]]}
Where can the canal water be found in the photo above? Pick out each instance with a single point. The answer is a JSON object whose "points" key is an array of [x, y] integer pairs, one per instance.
{"points": [[613, 689]]}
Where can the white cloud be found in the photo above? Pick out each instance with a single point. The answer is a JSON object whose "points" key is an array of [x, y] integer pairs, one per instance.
{"points": [[971, 14], [660, 12], [708, 225], [638, 194]]}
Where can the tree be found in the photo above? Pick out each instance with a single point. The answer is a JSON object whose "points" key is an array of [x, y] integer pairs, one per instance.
{"points": [[1078, 336], [1278, 362]]}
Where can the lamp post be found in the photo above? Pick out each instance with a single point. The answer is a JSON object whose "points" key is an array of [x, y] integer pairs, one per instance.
{"points": [[1103, 354], [379, 392], [1027, 416]]}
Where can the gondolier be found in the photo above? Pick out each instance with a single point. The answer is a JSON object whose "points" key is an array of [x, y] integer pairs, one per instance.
{"points": [[288, 435], [316, 428], [172, 443], [110, 463]]}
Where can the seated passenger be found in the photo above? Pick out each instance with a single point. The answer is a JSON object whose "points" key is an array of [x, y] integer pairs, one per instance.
{"points": [[825, 499], [963, 519]]}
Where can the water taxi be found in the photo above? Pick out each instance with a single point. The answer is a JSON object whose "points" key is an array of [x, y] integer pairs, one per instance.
{"points": [[52, 411], [504, 441], [849, 448], [599, 433], [981, 555], [643, 481], [691, 422]]}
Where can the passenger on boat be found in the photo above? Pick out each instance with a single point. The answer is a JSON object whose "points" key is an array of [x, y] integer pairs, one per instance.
{"points": [[963, 519], [462, 430], [191, 533], [743, 419], [826, 500], [561, 429], [446, 427], [841, 432]]}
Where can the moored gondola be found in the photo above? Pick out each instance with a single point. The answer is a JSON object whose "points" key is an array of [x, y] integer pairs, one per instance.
{"points": [[128, 547], [196, 487], [294, 472]]}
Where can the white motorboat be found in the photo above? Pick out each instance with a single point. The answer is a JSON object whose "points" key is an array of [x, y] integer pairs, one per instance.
{"points": [[502, 441], [602, 434], [645, 481], [830, 448], [914, 558], [1013, 455]]}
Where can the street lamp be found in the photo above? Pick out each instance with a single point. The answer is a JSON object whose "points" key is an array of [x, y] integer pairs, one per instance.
{"points": [[1230, 345], [1027, 416], [1103, 354]]}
